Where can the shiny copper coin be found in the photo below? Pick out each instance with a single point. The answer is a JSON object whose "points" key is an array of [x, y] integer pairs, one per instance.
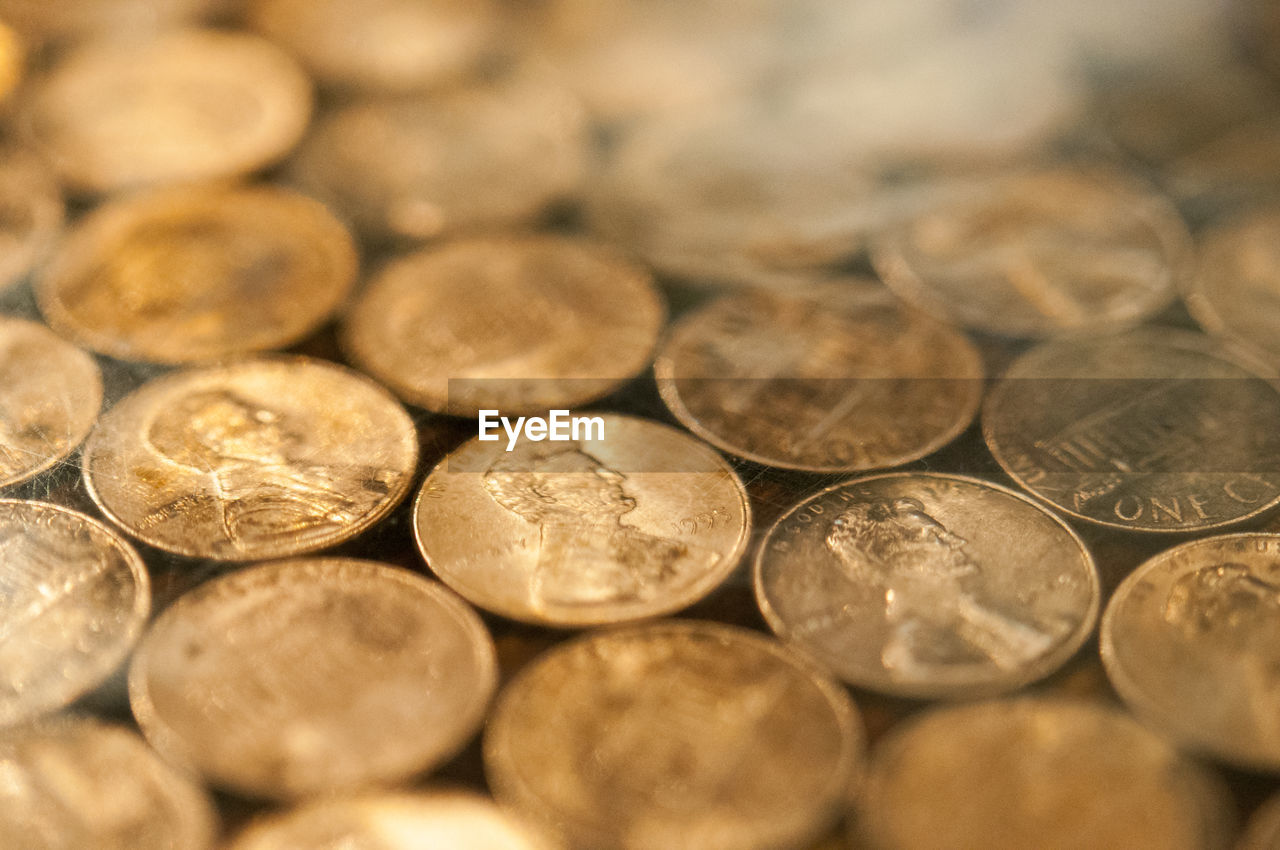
{"points": [[73, 599], [257, 459], [1155, 430], [1191, 641], [674, 736], [198, 274], [313, 676], [31, 213], [907, 584], [641, 522], [835, 377], [517, 324], [50, 393], [1236, 294], [189, 105]]}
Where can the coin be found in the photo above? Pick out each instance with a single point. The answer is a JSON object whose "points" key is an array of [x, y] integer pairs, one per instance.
{"points": [[1154, 430], [518, 323], [906, 583], [183, 275], [188, 105], [674, 735], [641, 521], [73, 599], [1191, 641], [484, 155], [835, 377], [1236, 295], [312, 676], [74, 782], [1039, 253], [257, 459], [1231, 172], [31, 213], [50, 393], [41, 20], [1037, 773]]}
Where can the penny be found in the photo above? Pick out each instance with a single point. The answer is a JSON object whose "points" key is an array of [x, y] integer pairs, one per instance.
{"points": [[73, 782], [73, 599], [252, 460], [1037, 773], [640, 522], [907, 583], [1263, 830], [31, 213], [674, 735], [1191, 641], [50, 393], [312, 676], [1038, 253], [836, 377], [1154, 430], [1236, 295], [515, 323], [484, 155], [188, 105], [184, 275]]}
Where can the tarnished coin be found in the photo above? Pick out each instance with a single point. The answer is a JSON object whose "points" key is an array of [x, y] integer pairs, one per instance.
{"points": [[674, 736], [73, 599], [835, 377], [517, 324], [908, 584], [484, 155], [436, 821], [75, 783], [1191, 641], [1009, 775], [641, 521], [313, 676], [258, 459], [50, 393], [184, 275], [1155, 430], [31, 213], [1263, 830], [1237, 292], [1039, 253], [189, 105]]}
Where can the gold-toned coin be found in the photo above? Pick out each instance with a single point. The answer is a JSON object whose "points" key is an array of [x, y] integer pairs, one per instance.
{"points": [[73, 783], [674, 736], [519, 323], [31, 213], [188, 105], [641, 521], [834, 377], [1039, 253], [41, 20], [184, 275], [484, 155], [1154, 430], [73, 599], [313, 676], [50, 394], [1191, 641], [252, 460], [1014, 774], [906, 583], [1236, 294]]}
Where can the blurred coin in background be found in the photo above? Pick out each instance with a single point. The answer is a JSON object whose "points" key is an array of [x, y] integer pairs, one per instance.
{"points": [[58, 20], [31, 213], [1236, 294]]}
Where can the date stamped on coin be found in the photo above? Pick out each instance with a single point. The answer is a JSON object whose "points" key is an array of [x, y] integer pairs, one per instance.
{"points": [[559, 426]]}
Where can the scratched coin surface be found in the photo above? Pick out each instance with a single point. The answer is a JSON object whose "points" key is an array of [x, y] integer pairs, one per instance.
{"points": [[674, 736], [1191, 641], [907, 583], [517, 324], [1046, 773], [74, 597], [1154, 430], [1236, 294], [1039, 253], [259, 459], [188, 105], [31, 213], [591, 530], [836, 377], [73, 783], [313, 676], [184, 275], [50, 393]]}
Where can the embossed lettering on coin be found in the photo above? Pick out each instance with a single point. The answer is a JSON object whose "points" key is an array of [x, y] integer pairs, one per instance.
{"points": [[31, 213], [1237, 292]]}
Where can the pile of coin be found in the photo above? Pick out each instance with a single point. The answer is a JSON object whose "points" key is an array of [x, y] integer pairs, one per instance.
{"points": [[920, 480]]}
